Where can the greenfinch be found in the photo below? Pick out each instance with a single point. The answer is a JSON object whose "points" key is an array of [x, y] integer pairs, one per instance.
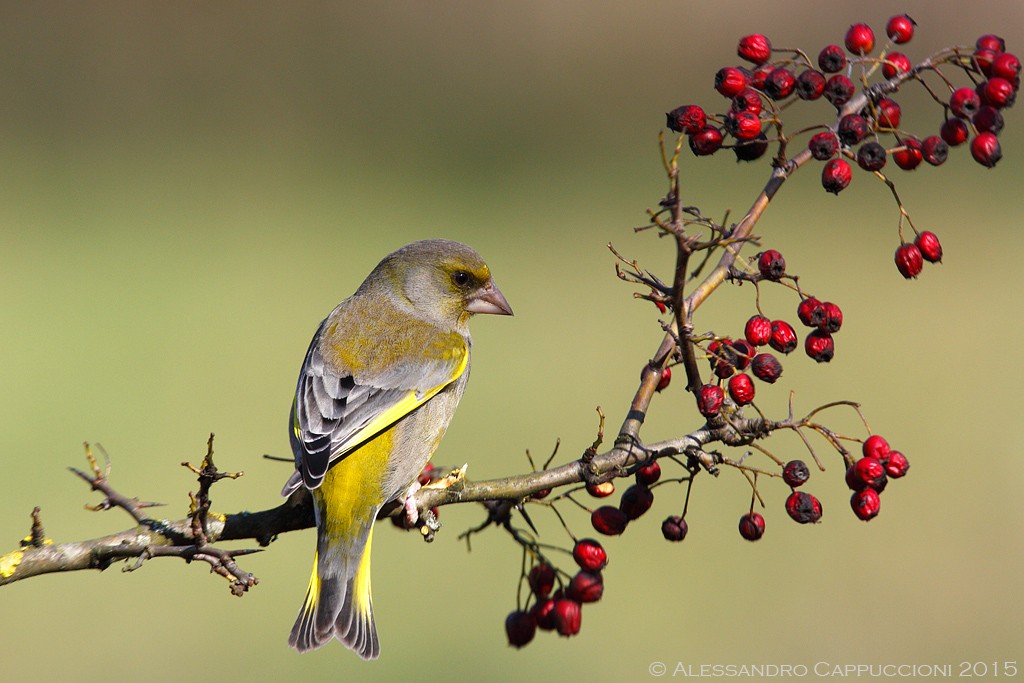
{"points": [[377, 389]]}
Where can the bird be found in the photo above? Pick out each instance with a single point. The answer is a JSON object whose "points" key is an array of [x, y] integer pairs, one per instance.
{"points": [[377, 389]]}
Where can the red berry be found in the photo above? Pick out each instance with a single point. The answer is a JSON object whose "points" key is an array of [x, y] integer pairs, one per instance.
{"points": [[876, 446], [751, 150], [742, 125], [666, 378], [865, 504], [908, 260], [783, 336], [852, 129], [567, 617], [589, 555], [520, 628], [780, 83], [759, 75], [831, 59], [931, 249], [987, 120], [983, 58], [796, 473], [755, 48], [866, 472], [889, 113], [541, 579], [833, 317], [608, 520], [895, 63], [729, 81], [771, 264], [810, 85], [674, 528], [934, 150], [706, 142], [689, 119], [636, 500], [897, 465], [710, 398], [722, 357], [1006, 66], [954, 132], [986, 150], [649, 473], [766, 368], [543, 612], [909, 156], [860, 39], [585, 587], [747, 99], [752, 526], [744, 352], [964, 103], [836, 175], [758, 330], [997, 92], [900, 28], [741, 389], [823, 145], [820, 346], [990, 41], [811, 312], [871, 156], [602, 490], [803, 507], [838, 90]]}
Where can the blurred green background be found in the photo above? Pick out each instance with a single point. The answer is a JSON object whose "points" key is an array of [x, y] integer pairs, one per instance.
{"points": [[188, 188]]}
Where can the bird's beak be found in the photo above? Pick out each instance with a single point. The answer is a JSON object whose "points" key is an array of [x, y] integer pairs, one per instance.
{"points": [[489, 299]]}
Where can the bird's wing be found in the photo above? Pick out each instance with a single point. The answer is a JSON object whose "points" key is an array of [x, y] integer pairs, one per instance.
{"points": [[334, 412]]}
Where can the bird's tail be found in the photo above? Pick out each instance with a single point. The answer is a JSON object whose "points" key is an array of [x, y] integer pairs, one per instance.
{"points": [[338, 601]]}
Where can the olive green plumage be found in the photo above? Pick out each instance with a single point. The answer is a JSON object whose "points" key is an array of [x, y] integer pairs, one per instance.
{"points": [[377, 389]]}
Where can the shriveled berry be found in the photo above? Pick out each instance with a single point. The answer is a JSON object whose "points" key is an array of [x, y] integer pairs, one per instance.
{"points": [[820, 346], [674, 528], [876, 446], [836, 175], [900, 28], [1007, 66], [541, 579], [833, 317], [706, 142], [664, 380], [609, 520], [865, 504], [889, 113], [780, 83], [729, 81], [636, 500], [934, 150], [741, 389], [810, 84], [783, 337], [710, 398], [755, 48], [811, 312], [895, 63], [751, 150], [867, 472], [744, 352], [823, 145], [991, 41], [852, 129], [997, 92], [908, 260], [964, 103], [838, 90], [871, 156], [752, 526], [898, 465], [567, 617], [986, 150], [649, 473], [758, 330], [689, 119], [908, 156], [803, 507], [747, 99], [987, 120], [954, 132], [602, 490], [931, 249], [589, 555], [860, 39], [520, 628], [795, 473], [831, 59], [766, 368], [742, 125], [585, 587], [771, 264]]}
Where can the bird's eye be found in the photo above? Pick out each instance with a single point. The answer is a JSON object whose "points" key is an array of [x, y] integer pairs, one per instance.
{"points": [[460, 278]]}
